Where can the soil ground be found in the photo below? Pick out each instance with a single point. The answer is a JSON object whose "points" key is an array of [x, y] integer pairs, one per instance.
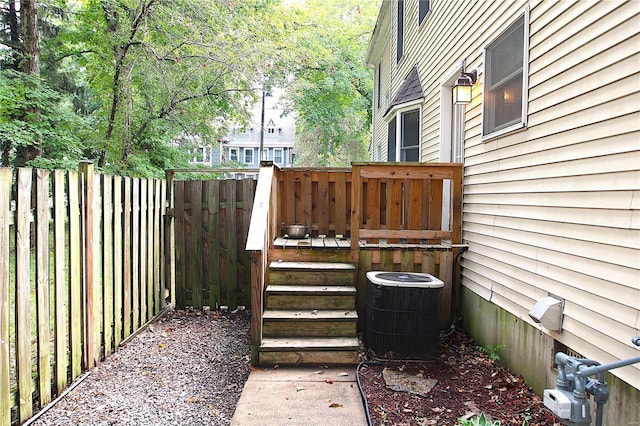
{"points": [[469, 383]]}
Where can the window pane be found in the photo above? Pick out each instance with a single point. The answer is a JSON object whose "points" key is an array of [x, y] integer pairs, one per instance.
{"points": [[503, 102], [410, 129], [391, 144], [277, 156], [248, 156], [424, 7]]}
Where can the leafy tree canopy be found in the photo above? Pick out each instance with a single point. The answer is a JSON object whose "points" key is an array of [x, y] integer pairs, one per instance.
{"points": [[117, 81]]}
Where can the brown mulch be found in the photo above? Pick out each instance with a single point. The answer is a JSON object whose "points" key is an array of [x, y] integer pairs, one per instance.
{"points": [[469, 383], [187, 368]]}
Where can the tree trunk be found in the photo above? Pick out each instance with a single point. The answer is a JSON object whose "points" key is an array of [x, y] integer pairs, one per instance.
{"points": [[30, 46], [14, 34], [30, 64]]}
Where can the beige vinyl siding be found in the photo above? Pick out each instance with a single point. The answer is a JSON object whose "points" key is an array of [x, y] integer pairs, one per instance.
{"points": [[379, 130], [554, 207]]}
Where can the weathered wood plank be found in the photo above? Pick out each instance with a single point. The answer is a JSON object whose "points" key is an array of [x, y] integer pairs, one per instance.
{"points": [[180, 244], [107, 263], [323, 203], [372, 208], [76, 320], [165, 251], [149, 234], [307, 200], [194, 244], [127, 276], [407, 171], [87, 178], [356, 213], [248, 193], [258, 272], [445, 274], [42, 286], [143, 248], [23, 294], [135, 254], [118, 253], [231, 255], [96, 270], [212, 190], [157, 248], [394, 206], [404, 234], [5, 382], [59, 282]]}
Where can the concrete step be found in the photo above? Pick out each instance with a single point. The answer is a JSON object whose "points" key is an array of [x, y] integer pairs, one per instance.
{"points": [[310, 297], [309, 323], [309, 350]]}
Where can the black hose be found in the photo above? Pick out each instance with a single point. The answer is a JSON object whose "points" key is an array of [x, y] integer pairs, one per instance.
{"points": [[362, 395]]}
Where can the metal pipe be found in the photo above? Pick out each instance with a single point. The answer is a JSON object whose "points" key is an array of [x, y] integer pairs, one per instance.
{"points": [[590, 371]]}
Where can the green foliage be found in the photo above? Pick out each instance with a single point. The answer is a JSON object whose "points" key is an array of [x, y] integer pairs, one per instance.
{"points": [[122, 80], [332, 88], [492, 351], [33, 115], [478, 421]]}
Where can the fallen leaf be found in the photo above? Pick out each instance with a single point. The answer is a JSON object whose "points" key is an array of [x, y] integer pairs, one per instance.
{"points": [[335, 405], [329, 381], [343, 374], [299, 388]]}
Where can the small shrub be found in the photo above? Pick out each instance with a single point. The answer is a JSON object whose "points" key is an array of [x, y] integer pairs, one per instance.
{"points": [[492, 351], [478, 421]]}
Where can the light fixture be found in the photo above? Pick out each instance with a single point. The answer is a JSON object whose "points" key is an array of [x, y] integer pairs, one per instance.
{"points": [[462, 88]]}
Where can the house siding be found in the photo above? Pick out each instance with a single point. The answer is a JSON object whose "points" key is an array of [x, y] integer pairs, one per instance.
{"points": [[554, 207]]}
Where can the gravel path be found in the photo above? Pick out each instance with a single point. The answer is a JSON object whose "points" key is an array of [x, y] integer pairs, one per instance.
{"points": [[187, 368]]}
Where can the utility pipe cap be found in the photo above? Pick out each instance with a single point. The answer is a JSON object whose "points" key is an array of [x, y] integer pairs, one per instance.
{"points": [[548, 312]]}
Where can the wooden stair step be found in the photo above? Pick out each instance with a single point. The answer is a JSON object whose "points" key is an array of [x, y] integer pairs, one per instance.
{"points": [[310, 315], [309, 323], [310, 343], [312, 266], [310, 297], [308, 350], [310, 289], [311, 273]]}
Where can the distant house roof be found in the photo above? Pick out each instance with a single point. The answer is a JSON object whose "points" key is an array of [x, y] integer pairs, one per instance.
{"points": [[410, 90]]}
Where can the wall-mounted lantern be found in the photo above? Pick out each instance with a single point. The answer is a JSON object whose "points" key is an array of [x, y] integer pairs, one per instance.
{"points": [[462, 89]]}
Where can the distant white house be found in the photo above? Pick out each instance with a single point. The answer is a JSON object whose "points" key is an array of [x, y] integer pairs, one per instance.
{"points": [[550, 142], [242, 144]]}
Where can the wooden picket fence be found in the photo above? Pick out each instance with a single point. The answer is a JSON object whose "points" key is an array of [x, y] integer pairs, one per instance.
{"points": [[211, 220], [81, 269]]}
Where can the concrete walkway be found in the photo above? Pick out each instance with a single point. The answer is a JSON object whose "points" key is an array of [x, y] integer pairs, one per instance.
{"points": [[301, 396]]}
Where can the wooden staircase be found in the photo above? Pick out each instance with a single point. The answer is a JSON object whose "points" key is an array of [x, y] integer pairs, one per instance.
{"points": [[310, 314]]}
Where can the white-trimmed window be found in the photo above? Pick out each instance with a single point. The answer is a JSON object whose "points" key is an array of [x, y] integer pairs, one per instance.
{"points": [[424, 6], [277, 155], [248, 155], [400, 31], [404, 136], [505, 76], [233, 154]]}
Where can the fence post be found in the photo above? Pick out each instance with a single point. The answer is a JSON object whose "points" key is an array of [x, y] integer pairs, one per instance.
{"points": [[5, 384], [169, 239], [86, 206]]}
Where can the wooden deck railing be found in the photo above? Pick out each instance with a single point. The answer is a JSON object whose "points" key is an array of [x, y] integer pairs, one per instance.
{"points": [[403, 202], [392, 212]]}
